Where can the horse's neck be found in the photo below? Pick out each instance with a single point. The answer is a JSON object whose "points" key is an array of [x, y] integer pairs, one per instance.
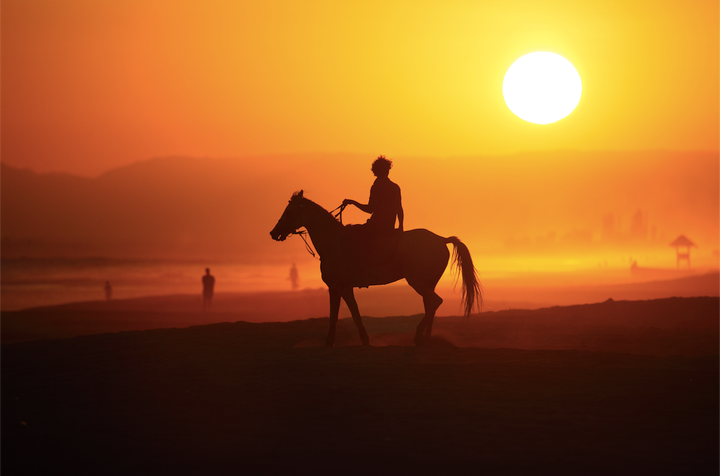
{"points": [[323, 229]]}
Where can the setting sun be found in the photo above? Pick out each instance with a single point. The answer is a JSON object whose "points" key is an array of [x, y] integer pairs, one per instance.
{"points": [[542, 87]]}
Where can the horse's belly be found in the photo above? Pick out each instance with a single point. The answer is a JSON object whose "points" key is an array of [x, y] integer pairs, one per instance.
{"points": [[361, 275], [417, 253]]}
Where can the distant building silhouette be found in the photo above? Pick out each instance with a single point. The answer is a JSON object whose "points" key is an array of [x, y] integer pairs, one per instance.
{"points": [[682, 240], [294, 278], [639, 226], [208, 282], [576, 238], [608, 227], [108, 291]]}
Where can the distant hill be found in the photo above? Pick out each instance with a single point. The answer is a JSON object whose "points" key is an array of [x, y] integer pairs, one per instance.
{"points": [[162, 208], [210, 208]]}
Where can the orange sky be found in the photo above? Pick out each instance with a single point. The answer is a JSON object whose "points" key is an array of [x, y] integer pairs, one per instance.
{"points": [[91, 85]]}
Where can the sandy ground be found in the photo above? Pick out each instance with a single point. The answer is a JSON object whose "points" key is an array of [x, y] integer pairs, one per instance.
{"points": [[523, 291], [96, 317], [609, 388]]}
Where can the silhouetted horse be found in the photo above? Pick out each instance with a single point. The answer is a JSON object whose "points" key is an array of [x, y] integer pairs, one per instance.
{"points": [[419, 256]]}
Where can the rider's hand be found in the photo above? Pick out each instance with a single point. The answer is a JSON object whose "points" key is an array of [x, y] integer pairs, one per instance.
{"points": [[347, 202]]}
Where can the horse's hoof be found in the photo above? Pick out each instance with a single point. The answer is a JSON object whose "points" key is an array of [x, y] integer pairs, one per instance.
{"points": [[364, 338], [420, 341]]}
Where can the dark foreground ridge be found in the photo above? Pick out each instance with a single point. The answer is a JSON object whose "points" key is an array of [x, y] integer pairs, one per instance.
{"points": [[242, 398], [685, 326]]}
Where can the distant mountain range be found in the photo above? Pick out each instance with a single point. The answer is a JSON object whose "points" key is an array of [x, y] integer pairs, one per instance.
{"points": [[212, 208], [163, 208]]}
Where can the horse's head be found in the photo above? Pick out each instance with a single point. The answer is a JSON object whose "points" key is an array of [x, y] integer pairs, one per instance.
{"points": [[291, 219]]}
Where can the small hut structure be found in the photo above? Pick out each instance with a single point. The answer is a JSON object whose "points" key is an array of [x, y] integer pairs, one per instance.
{"points": [[682, 240]]}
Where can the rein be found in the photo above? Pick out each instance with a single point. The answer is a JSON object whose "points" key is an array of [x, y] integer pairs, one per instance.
{"points": [[307, 245], [337, 216]]}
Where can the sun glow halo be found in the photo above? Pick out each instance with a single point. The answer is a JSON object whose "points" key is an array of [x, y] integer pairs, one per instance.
{"points": [[542, 87]]}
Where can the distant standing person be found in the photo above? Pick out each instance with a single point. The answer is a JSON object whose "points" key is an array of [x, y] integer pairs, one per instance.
{"points": [[108, 291], [208, 282], [294, 278]]}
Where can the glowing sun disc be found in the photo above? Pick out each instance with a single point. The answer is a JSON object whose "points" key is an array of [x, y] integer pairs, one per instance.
{"points": [[542, 87]]}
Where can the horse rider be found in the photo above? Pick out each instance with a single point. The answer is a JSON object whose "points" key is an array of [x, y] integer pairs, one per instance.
{"points": [[385, 200]]}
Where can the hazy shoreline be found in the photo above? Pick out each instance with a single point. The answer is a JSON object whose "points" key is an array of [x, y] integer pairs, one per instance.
{"points": [[37, 282]]}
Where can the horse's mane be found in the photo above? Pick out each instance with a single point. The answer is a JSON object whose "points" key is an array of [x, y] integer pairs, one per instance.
{"points": [[316, 209]]}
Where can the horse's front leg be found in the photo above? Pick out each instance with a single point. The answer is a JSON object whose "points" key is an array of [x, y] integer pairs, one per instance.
{"points": [[335, 296], [349, 297], [420, 332]]}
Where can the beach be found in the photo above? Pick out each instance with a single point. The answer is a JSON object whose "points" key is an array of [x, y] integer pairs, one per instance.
{"points": [[622, 387]]}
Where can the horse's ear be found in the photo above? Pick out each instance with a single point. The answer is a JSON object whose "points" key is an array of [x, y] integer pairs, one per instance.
{"points": [[300, 194]]}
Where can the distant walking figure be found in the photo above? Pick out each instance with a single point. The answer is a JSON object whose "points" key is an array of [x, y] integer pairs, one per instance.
{"points": [[294, 278], [385, 201], [108, 291], [208, 282]]}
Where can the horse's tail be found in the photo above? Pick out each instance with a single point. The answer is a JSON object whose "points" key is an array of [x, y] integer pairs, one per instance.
{"points": [[471, 288]]}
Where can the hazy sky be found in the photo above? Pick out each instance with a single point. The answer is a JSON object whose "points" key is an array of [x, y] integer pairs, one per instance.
{"points": [[91, 85]]}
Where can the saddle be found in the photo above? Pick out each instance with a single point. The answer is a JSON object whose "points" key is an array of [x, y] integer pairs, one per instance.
{"points": [[372, 254]]}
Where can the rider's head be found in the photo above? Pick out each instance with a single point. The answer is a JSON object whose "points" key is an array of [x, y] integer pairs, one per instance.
{"points": [[381, 167]]}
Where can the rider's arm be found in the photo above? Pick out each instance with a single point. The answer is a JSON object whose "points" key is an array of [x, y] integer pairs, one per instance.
{"points": [[366, 208]]}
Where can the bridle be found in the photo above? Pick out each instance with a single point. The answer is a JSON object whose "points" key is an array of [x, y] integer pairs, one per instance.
{"points": [[302, 233]]}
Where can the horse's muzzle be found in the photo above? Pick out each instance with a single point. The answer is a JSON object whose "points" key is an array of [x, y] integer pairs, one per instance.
{"points": [[277, 236]]}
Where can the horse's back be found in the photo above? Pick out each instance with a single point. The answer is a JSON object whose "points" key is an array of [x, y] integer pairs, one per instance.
{"points": [[420, 237], [421, 247], [423, 234]]}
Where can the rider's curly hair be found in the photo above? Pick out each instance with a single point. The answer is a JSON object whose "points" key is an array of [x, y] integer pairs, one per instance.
{"points": [[382, 165]]}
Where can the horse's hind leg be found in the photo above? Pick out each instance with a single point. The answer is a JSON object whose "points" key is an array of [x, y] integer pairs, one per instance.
{"points": [[349, 297], [431, 302], [334, 311]]}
